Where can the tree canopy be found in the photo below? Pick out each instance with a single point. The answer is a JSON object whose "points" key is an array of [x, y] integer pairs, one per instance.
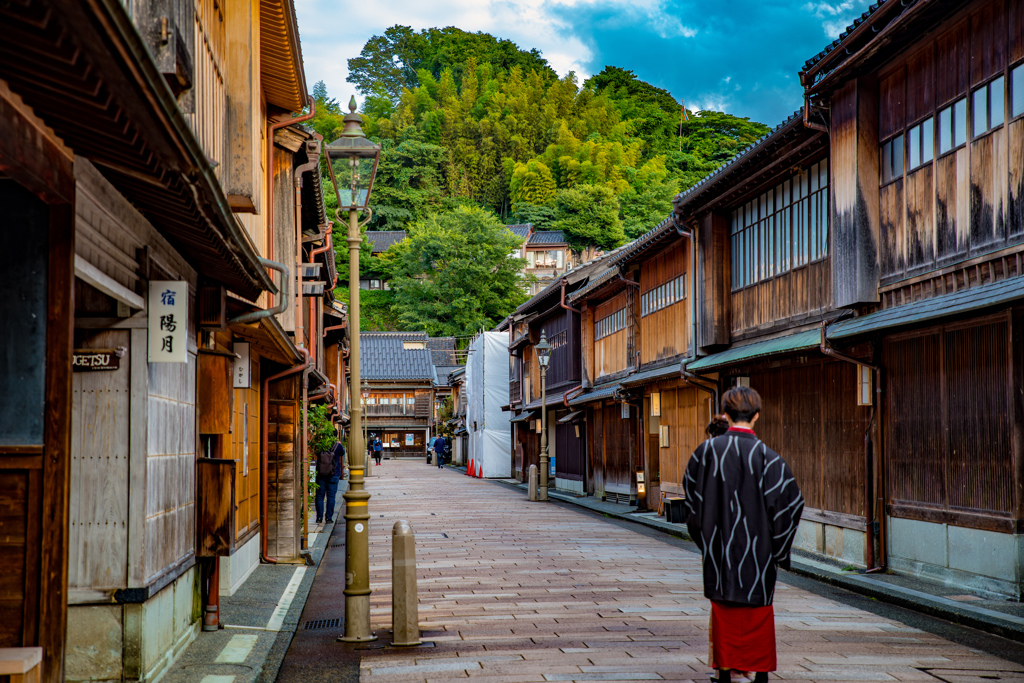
{"points": [[476, 131], [453, 274]]}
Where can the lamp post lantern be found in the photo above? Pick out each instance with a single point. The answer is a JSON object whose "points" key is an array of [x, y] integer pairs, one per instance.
{"points": [[543, 349], [352, 162]]}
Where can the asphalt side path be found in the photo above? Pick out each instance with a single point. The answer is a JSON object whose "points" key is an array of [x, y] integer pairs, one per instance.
{"points": [[516, 591]]}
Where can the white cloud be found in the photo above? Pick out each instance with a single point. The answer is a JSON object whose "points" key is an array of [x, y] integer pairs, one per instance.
{"points": [[333, 32], [835, 16]]}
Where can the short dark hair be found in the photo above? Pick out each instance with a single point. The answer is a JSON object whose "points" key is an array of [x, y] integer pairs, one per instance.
{"points": [[741, 404]]}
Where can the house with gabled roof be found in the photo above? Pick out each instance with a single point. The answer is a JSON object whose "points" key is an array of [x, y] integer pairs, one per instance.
{"points": [[398, 376]]}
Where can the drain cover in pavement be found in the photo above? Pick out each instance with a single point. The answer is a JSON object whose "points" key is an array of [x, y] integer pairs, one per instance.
{"points": [[322, 623]]}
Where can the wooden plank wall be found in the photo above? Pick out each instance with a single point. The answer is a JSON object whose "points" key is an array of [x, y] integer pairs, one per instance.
{"points": [[949, 441], [853, 185], [810, 417], [100, 430], [610, 352], [715, 305], [171, 461], [783, 300], [617, 449], [970, 201], [665, 333], [247, 408], [686, 411], [569, 464], [284, 429]]}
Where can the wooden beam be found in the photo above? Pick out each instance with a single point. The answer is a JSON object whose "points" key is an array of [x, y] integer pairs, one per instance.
{"points": [[31, 153], [53, 594]]}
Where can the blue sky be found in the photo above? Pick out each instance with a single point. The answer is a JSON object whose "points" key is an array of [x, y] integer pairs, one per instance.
{"points": [[738, 56]]}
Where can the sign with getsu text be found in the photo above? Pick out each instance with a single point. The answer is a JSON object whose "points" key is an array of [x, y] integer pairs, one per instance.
{"points": [[91, 360], [168, 321]]}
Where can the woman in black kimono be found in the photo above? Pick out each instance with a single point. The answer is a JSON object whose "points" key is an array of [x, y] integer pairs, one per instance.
{"points": [[744, 507]]}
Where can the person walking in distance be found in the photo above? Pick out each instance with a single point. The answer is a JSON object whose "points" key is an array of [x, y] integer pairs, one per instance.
{"points": [[439, 451], [378, 450], [743, 507], [329, 464]]}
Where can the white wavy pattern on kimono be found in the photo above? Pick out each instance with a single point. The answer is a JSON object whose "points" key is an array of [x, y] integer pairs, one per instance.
{"points": [[760, 573]]}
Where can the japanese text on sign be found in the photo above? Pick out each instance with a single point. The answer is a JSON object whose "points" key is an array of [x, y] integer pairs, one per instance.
{"points": [[168, 318]]}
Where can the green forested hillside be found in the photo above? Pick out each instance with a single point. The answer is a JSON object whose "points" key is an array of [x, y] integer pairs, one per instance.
{"points": [[470, 120]]}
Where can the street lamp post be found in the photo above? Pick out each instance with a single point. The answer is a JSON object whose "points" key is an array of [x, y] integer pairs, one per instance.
{"points": [[352, 161], [543, 349]]}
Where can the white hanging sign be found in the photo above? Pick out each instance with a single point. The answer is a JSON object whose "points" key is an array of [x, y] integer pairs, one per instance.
{"points": [[168, 321], [241, 371]]}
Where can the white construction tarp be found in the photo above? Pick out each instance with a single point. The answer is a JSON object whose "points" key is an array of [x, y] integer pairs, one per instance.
{"points": [[490, 434]]}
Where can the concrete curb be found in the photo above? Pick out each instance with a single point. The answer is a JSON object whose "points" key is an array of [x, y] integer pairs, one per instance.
{"points": [[991, 621]]}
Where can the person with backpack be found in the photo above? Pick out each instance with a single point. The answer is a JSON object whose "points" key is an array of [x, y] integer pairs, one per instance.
{"points": [[329, 464]]}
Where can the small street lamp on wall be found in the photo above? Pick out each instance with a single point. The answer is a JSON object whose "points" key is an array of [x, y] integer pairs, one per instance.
{"points": [[543, 350], [352, 162]]}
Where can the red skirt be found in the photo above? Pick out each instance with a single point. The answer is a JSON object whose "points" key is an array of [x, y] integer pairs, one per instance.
{"points": [[742, 638]]}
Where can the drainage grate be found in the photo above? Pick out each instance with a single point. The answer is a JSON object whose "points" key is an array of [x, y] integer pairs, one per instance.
{"points": [[337, 544], [621, 498], [318, 624]]}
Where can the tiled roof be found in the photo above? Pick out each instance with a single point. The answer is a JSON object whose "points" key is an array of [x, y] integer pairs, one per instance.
{"points": [[521, 230], [572, 276], [547, 237], [383, 357], [874, 7], [382, 239], [725, 169], [598, 393], [443, 372], [965, 301]]}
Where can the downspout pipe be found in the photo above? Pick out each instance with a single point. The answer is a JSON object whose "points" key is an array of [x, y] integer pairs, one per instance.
{"points": [[265, 448], [695, 381], [325, 392], [562, 302], [813, 125], [281, 305], [869, 497], [313, 156], [335, 327], [565, 397], [328, 244]]}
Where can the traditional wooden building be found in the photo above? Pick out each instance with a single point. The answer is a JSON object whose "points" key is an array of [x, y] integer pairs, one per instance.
{"points": [[140, 225], [761, 226], [550, 312], [924, 104], [637, 332], [398, 376], [548, 256]]}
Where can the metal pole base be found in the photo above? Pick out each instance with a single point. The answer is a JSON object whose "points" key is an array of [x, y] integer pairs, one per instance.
{"points": [[544, 466], [357, 620]]}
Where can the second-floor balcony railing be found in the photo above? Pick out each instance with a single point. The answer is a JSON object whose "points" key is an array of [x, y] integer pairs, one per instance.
{"points": [[390, 410]]}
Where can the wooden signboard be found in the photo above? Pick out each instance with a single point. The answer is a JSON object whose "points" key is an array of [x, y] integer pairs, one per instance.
{"points": [[92, 360]]}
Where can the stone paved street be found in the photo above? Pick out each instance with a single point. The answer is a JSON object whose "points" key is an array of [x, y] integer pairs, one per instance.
{"points": [[516, 591]]}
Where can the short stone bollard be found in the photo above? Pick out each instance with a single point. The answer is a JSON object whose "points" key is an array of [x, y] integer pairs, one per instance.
{"points": [[405, 612], [369, 467], [533, 482]]}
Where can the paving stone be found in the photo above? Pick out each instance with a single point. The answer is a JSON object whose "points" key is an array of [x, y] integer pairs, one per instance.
{"points": [[525, 592]]}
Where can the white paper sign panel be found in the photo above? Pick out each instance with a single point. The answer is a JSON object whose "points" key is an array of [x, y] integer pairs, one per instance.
{"points": [[168, 321]]}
